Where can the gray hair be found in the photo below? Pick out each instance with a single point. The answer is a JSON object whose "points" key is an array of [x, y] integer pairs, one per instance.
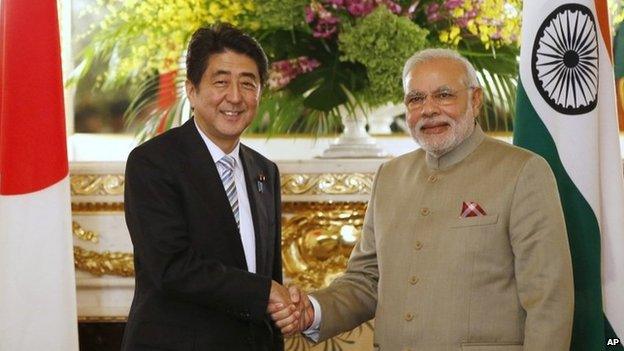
{"points": [[437, 53]]}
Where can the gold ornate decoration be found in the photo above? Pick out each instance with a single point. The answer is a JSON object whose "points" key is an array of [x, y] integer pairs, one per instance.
{"points": [[86, 235], [97, 184], [317, 241], [97, 207], [114, 263], [327, 183]]}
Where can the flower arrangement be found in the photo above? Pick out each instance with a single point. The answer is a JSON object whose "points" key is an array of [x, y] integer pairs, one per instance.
{"points": [[328, 57], [353, 53]]}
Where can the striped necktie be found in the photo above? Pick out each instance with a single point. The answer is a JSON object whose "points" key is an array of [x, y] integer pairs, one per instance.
{"points": [[226, 165]]}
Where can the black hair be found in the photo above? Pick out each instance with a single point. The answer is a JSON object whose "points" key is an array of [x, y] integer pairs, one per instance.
{"points": [[216, 39]]}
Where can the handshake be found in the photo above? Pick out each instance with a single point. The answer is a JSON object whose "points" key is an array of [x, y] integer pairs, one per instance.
{"points": [[290, 309]]}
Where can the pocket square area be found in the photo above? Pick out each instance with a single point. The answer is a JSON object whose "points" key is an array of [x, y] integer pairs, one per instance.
{"points": [[474, 222], [471, 209]]}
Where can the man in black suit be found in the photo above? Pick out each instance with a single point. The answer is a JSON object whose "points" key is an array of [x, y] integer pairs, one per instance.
{"points": [[203, 212]]}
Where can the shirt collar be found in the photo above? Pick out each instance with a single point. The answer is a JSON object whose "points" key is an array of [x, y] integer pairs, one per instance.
{"points": [[459, 153], [216, 151]]}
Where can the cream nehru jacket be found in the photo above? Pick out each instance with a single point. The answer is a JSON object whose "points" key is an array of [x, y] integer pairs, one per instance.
{"points": [[434, 280]]}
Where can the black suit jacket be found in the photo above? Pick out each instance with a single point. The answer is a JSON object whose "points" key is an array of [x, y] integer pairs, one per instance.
{"points": [[193, 290]]}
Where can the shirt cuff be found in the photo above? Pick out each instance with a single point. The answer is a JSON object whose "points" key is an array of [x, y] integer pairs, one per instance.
{"points": [[314, 332]]}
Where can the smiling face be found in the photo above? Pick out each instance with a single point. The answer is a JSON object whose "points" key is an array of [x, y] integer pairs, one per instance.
{"points": [[226, 99], [441, 108]]}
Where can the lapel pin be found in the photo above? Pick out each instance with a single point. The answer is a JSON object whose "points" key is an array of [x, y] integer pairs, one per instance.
{"points": [[260, 182]]}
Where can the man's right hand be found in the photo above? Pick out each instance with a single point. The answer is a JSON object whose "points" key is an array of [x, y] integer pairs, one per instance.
{"points": [[282, 309], [301, 319]]}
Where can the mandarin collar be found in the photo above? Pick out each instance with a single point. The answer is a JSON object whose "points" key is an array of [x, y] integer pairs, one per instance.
{"points": [[459, 153]]}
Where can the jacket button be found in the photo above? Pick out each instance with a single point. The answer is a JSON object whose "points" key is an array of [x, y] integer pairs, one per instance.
{"points": [[425, 211], [418, 245], [409, 316], [413, 280], [432, 179]]}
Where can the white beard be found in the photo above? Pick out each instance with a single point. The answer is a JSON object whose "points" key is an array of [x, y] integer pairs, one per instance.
{"points": [[438, 145]]}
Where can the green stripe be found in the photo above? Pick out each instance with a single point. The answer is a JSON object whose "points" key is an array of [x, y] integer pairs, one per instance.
{"points": [[588, 333], [618, 49]]}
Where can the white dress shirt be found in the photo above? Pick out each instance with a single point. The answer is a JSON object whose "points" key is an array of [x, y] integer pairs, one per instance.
{"points": [[246, 223], [314, 332]]}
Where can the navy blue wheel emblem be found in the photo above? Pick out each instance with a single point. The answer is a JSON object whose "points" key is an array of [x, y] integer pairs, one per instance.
{"points": [[564, 62]]}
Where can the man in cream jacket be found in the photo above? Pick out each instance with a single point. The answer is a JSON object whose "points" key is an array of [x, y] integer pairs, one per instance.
{"points": [[464, 244]]}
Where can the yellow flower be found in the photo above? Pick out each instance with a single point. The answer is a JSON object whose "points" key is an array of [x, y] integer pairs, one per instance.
{"points": [[457, 12], [214, 9], [499, 18], [472, 27], [444, 36], [454, 32]]}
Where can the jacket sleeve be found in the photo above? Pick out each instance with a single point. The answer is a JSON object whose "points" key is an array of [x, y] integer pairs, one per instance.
{"points": [[351, 299], [164, 254], [542, 260]]}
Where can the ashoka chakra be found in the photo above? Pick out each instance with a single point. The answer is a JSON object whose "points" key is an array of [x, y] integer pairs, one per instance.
{"points": [[565, 60]]}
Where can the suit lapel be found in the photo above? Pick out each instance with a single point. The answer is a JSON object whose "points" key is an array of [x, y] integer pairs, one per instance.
{"points": [[203, 174], [258, 208]]}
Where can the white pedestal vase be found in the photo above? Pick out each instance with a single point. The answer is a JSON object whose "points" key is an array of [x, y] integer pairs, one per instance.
{"points": [[354, 142]]}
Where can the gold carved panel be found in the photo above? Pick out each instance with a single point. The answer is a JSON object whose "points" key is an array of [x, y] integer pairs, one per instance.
{"points": [[86, 235], [101, 263], [317, 239], [97, 184], [327, 183]]}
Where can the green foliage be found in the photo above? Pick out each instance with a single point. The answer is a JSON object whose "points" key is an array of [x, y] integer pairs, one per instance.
{"points": [[382, 42], [310, 102], [281, 14]]}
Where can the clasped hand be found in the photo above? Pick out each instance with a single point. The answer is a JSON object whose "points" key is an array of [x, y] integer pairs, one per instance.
{"points": [[290, 309]]}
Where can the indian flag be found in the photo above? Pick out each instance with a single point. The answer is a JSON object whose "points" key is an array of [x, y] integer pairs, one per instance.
{"points": [[566, 112], [37, 285]]}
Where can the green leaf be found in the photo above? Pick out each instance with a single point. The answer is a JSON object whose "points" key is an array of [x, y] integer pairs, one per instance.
{"points": [[326, 97]]}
